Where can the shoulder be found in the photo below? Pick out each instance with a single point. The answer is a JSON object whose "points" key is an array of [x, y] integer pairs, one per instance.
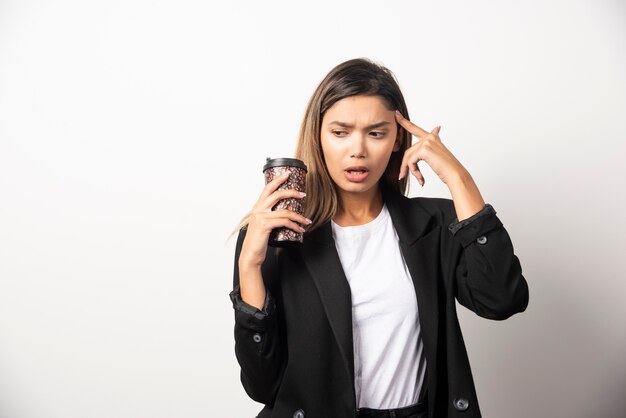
{"points": [[415, 217], [438, 207]]}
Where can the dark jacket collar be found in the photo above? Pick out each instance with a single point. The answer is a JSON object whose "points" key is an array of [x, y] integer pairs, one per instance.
{"points": [[410, 219]]}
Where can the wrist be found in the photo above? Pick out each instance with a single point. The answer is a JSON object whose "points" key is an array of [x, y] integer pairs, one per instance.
{"points": [[460, 177]]}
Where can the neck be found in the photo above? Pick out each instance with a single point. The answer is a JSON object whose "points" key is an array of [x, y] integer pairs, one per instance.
{"points": [[358, 208]]}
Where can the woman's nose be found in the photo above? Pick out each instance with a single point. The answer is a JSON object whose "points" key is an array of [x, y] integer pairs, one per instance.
{"points": [[357, 146]]}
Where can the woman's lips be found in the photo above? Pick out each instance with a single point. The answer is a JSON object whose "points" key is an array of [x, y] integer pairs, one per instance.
{"points": [[356, 176]]}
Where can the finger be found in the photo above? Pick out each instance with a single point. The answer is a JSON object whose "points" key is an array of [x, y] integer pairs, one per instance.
{"points": [[271, 186], [415, 170], [436, 130], [278, 195], [417, 173], [403, 165], [404, 168], [410, 126], [288, 218], [291, 225], [286, 213], [270, 222]]}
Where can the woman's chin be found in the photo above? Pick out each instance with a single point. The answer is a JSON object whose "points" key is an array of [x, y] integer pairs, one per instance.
{"points": [[349, 187]]}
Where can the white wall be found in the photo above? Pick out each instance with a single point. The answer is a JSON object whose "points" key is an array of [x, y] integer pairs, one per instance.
{"points": [[132, 136]]}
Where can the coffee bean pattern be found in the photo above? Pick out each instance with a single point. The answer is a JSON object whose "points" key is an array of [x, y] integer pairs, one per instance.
{"points": [[297, 181]]}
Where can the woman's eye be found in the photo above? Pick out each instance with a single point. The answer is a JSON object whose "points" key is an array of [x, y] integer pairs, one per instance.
{"points": [[375, 134]]}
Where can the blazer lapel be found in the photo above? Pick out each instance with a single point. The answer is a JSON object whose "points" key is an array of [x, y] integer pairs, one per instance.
{"points": [[320, 255], [419, 249], [322, 260]]}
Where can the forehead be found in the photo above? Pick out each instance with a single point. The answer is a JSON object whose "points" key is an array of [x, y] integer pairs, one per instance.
{"points": [[358, 109]]}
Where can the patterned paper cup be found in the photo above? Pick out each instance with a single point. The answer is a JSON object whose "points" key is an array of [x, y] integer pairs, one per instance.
{"points": [[283, 236]]}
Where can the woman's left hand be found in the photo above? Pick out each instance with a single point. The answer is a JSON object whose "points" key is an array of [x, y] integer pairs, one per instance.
{"points": [[428, 148]]}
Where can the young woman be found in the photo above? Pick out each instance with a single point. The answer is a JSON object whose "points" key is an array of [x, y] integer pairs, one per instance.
{"points": [[360, 319]]}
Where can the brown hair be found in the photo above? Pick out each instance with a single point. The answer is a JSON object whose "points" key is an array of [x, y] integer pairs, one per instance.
{"points": [[358, 76]]}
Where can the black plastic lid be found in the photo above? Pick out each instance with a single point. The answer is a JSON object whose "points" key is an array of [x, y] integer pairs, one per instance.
{"points": [[281, 162]]}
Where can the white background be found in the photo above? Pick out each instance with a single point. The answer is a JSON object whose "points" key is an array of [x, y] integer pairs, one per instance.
{"points": [[132, 136]]}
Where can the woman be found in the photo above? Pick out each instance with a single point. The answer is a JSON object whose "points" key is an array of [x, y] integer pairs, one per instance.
{"points": [[360, 320]]}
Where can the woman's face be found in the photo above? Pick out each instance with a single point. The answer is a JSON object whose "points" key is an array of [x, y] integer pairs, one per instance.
{"points": [[358, 135]]}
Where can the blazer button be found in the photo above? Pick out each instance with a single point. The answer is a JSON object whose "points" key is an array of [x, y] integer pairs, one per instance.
{"points": [[256, 338], [461, 404], [482, 239], [298, 414]]}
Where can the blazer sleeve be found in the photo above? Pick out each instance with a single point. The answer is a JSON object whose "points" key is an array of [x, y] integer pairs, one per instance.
{"points": [[259, 340], [488, 274]]}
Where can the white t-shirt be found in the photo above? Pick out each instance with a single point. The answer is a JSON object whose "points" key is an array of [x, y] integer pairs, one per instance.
{"points": [[390, 363]]}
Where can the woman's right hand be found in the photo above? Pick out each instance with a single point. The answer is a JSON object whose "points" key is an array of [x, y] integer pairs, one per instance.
{"points": [[263, 220]]}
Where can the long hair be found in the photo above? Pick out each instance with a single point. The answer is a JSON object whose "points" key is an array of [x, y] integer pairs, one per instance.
{"points": [[358, 76]]}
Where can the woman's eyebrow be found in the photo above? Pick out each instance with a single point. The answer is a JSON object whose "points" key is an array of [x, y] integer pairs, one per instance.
{"points": [[372, 126]]}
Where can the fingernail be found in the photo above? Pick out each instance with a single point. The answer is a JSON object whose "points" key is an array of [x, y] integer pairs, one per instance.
{"points": [[308, 221], [398, 113], [286, 173], [400, 178], [302, 194]]}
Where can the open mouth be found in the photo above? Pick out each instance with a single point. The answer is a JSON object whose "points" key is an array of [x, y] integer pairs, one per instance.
{"points": [[356, 174], [356, 169]]}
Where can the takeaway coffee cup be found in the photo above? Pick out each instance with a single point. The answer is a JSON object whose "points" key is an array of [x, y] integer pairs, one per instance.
{"points": [[274, 167]]}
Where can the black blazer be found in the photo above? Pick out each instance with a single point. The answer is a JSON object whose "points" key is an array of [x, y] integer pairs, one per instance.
{"points": [[296, 355]]}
